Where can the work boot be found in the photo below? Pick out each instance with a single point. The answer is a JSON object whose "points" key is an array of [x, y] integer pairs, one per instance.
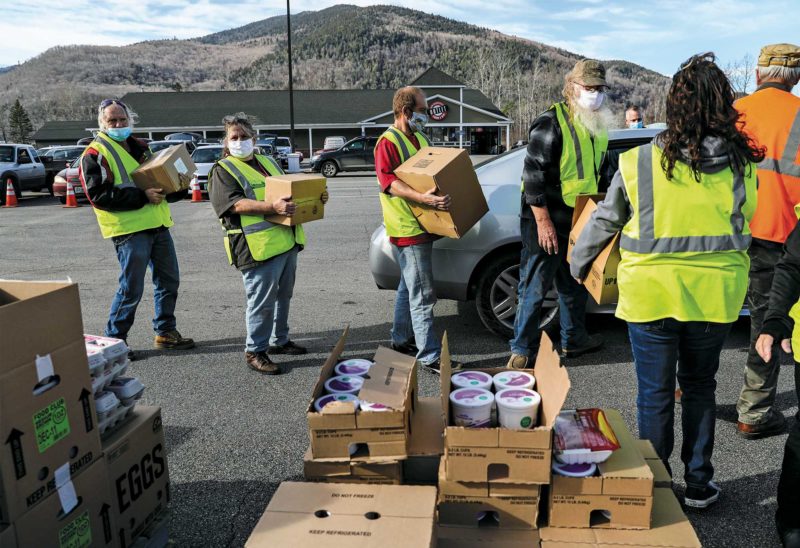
{"points": [[774, 425], [592, 343], [409, 348], [289, 348], [259, 361], [702, 498], [172, 340], [517, 361]]}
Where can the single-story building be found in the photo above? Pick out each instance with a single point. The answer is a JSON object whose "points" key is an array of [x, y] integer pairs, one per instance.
{"points": [[459, 116]]}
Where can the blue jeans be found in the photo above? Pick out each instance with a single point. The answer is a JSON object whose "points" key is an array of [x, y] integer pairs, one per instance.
{"points": [[135, 252], [413, 304], [694, 348], [269, 287], [537, 272]]}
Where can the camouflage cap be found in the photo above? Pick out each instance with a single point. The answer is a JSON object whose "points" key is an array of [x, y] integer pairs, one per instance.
{"points": [[779, 55], [589, 72]]}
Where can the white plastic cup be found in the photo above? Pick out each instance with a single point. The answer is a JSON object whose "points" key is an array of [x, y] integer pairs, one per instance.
{"points": [[472, 379], [373, 406], [513, 379], [472, 407], [518, 408], [357, 367], [321, 402], [344, 384]]}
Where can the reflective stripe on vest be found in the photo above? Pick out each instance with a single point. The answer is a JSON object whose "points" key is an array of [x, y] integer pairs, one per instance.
{"points": [[786, 164], [111, 146], [647, 242]]}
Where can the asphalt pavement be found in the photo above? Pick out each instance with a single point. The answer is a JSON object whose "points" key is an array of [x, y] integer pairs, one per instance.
{"points": [[234, 435]]}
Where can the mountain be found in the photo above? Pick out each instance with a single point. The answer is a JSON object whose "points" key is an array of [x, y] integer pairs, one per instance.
{"points": [[336, 48]]}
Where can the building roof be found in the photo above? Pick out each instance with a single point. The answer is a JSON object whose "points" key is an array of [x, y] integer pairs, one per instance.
{"points": [[434, 77], [64, 130]]}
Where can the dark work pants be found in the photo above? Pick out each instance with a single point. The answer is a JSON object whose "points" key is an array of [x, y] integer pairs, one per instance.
{"points": [[789, 484]]}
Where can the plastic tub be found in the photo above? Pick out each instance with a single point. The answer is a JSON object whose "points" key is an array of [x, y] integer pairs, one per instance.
{"points": [[373, 406], [517, 408], [357, 367], [127, 389], [344, 384], [472, 407], [513, 379], [574, 470], [328, 398], [472, 379]]}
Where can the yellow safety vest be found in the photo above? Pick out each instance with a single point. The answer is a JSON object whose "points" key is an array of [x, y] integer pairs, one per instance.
{"points": [[264, 239], [684, 250], [794, 313], [397, 216], [119, 223], [581, 156]]}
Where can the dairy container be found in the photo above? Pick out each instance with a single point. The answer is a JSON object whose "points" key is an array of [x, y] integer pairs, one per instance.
{"points": [[356, 366], [321, 402], [344, 384], [472, 407], [517, 408], [513, 379]]}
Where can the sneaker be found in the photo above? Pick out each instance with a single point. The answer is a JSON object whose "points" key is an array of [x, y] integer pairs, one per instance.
{"points": [[288, 348], [172, 340], [697, 497], [409, 348], [435, 367], [517, 361], [592, 344], [131, 354], [774, 425], [259, 361]]}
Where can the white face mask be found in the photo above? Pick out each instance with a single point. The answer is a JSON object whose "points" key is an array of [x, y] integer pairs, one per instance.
{"points": [[241, 149], [590, 100]]}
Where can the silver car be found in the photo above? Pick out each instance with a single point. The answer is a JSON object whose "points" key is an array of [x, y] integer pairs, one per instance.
{"points": [[484, 264]]}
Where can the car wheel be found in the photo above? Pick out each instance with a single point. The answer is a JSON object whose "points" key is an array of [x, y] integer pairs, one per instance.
{"points": [[329, 169], [496, 297]]}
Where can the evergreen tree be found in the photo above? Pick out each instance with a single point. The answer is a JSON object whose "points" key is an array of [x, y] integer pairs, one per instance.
{"points": [[20, 127]]}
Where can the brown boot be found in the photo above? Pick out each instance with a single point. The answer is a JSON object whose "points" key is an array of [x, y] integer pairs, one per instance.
{"points": [[259, 361], [517, 361], [172, 340]]}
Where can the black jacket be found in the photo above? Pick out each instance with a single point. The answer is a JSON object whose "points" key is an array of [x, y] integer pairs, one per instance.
{"points": [[785, 289]]}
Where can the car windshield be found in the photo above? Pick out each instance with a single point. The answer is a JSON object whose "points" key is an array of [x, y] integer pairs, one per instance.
{"points": [[283, 142], [155, 147], [6, 154], [206, 155]]}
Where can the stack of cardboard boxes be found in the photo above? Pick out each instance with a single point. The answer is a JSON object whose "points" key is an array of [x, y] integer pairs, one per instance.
{"points": [[58, 485]]}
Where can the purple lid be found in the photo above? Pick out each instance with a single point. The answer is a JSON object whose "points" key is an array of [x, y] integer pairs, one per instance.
{"points": [[471, 378], [328, 398], [345, 383], [515, 379], [581, 470]]}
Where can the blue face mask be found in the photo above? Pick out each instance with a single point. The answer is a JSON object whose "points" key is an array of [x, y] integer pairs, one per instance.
{"points": [[636, 125], [418, 121], [119, 133]]}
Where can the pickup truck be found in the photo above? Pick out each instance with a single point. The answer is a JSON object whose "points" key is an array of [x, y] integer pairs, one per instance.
{"points": [[21, 165], [56, 159]]}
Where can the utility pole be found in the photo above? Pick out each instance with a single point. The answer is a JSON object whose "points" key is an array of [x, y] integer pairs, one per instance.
{"points": [[291, 85]]}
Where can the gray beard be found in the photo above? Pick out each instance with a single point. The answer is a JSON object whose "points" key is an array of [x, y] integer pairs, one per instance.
{"points": [[596, 121]]}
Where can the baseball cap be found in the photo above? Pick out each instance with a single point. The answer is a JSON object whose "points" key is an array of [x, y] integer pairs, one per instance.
{"points": [[781, 55], [589, 72]]}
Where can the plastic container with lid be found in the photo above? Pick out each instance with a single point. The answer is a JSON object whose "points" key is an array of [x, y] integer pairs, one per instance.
{"points": [[472, 407], [517, 408], [356, 366], [344, 384], [513, 379], [105, 403], [127, 389], [472, 379], [583, 470], [321, 402], [373, 406], [97, 360], [112, 348]]}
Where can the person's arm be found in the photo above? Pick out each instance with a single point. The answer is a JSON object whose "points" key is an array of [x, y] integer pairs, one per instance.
{"points": [[228, 198], [785, 290], [608, 219], [98, 183], [540, 170], [386, 161]]}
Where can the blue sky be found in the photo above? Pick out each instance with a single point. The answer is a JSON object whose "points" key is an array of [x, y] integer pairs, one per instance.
{"points": [[658, 35]]}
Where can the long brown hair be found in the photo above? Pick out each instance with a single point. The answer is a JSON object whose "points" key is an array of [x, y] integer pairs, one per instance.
{"points": [[699, 105]]}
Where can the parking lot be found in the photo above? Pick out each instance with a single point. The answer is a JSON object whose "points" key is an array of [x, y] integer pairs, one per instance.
{"points": [[234, 435]]}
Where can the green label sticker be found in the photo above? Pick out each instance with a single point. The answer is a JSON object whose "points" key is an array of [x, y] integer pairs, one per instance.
{"points": [[341, 398], [525, 422], [51, 424], [77, 533], [473, 382], [527, 400], [482, 398]]}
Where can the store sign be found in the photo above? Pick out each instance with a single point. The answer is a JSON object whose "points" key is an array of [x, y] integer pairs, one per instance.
{"points": [[438, 111]]}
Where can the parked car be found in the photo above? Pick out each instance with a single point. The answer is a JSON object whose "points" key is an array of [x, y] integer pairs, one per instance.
{"points": [[266, 144], [56, 159], [356, 155], [85, 141], [283, 146], [331, 143], [484, 264], [184, 136], [156, 146], [68, 174], [204, 158], [22, 166]]}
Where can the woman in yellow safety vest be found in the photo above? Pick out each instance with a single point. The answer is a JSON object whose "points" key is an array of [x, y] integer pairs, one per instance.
{"points": [[683, 205], [264, 252]]}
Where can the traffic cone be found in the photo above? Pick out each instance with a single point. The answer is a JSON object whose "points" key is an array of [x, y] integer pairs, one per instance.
{"points": [[197, 194], [72, 201], [11, 196]]}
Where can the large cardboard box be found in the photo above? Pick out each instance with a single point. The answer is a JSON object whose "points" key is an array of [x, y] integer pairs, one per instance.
{"points": [[306, 191], [352, 471], [379, 435], [77, 514], [502, 455], [670, 529], [466, 504], [449, 171], [483, 537], [619, 497], [170, 169], [137, 472], [601, 281], [425, 444], [328, 515], [47, 418]]}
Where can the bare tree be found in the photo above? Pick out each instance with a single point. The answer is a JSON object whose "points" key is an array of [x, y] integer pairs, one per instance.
{"points": [[741, 73]]}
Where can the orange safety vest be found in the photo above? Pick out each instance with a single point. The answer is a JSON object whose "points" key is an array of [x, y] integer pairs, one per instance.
{"points": [[772, 117]]}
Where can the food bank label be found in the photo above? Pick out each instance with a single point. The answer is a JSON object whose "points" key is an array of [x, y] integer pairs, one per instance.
{"points": [[51, 424], [77, 533]]}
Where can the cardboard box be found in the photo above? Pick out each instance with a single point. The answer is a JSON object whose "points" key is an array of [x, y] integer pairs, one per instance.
{"points": [[601, 280], [670, 528], [137, 472], [8, 538], [89, 523], [306, 191], [353, 471], [37, 318], [502, 455], [449, 171], [47, 418], [620, 496], [170, 169], [425, 444], [326, 515], [509, 506], [495, 537], [380, 435], [661, 476]]}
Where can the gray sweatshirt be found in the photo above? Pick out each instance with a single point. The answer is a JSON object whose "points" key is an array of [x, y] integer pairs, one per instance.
{"points": [[615, 210]]}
